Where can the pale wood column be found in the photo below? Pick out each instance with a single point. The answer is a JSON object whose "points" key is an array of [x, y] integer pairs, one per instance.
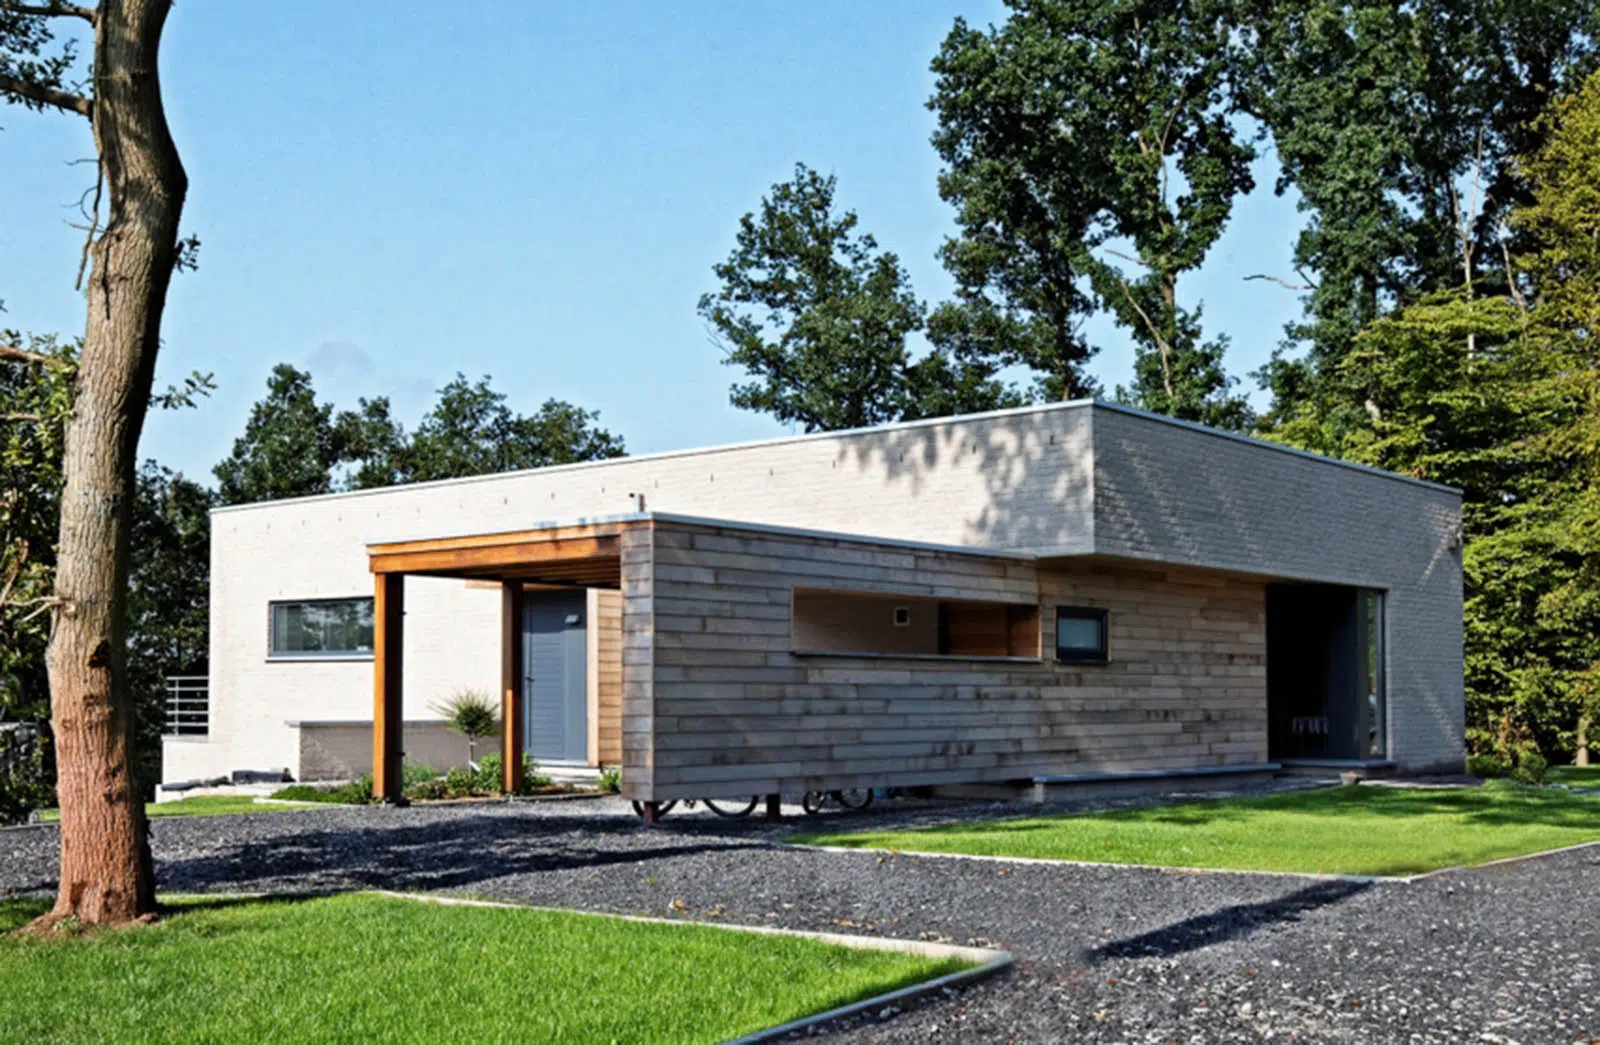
{"points": [[511, 686], [388, 649]]}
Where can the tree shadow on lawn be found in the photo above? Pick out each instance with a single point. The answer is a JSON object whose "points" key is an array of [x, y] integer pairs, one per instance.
{"points": [[1229, 923], [444, 854], [1491, 805]]}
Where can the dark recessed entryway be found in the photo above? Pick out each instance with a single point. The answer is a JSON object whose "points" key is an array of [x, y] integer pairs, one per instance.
{"points": [[1325, 690]]}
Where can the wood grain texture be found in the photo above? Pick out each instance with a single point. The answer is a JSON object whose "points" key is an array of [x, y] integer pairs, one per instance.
{"points": [[719, 704]]}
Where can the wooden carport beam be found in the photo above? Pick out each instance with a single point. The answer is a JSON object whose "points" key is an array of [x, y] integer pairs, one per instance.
{"points": [[466, 556], [511, 686], [388, 650]]}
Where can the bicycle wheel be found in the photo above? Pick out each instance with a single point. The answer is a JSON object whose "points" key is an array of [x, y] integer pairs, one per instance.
{"points": [[663, 810], [731, 808], [857, 798], [813, 801]]}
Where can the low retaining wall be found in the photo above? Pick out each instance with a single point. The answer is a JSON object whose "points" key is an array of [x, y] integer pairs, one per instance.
{"points": [[342, 750]]}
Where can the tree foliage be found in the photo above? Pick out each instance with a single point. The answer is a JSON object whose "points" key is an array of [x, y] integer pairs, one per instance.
{"points": [[35, 400], [289, 447], [1399, 126], [295, 445], [1500, 395], [819, 318], [1091, 152]]}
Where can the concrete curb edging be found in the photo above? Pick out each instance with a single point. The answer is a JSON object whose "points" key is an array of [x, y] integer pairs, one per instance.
{"points": [[1504, 860], [1150, 868], [1369, 879], [989, 961]]}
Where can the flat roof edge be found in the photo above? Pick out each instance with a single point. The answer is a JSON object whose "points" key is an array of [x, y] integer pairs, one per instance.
{"points": [[736, 524], [1268, 444], [899, 426]]}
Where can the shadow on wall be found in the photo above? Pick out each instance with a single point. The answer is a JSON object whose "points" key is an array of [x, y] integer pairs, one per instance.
{"points": [[1036, 468]]}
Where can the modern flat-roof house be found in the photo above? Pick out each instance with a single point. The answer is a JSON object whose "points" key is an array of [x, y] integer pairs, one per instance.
{"points": [[1077, 590]]}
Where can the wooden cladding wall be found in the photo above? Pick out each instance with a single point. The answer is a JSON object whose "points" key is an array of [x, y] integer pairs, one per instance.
{"points": [[716, 704], [605, 623]]}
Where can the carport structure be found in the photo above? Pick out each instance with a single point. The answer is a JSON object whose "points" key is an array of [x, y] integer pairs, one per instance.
{"points": [[578, 556]]}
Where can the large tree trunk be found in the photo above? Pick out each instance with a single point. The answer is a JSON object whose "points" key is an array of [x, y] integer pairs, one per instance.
{"points": [[106, 875]]}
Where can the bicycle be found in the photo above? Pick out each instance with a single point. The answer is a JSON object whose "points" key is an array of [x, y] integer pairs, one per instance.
{"points": [[731, 809], [854, 799]]}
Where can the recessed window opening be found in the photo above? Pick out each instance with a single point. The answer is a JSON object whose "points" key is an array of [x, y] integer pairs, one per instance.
{"points": [[844, 622], [1081, 635], [320, 628]]}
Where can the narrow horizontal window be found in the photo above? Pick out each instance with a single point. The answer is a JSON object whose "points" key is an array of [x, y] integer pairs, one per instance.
{"points": [[1081, 635], [321, 628], [900, 625]]}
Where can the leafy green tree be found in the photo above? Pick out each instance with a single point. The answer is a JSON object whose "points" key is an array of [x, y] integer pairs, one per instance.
{"points": [[1500, 395], [133, 249], [34, 403], [814, 312], [169, 587], [1399, 125], [470, 430], [289, 448], [1074, 129]]}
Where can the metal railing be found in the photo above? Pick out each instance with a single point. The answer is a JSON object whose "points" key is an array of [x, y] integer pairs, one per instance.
{"points": [[188, 706]]}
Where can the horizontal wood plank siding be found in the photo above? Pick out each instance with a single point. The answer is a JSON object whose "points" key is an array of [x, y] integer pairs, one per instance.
{"points": [[731, 710]]}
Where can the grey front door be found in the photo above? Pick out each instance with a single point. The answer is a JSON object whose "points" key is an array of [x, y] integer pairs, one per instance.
{"points": [[555, 690]]}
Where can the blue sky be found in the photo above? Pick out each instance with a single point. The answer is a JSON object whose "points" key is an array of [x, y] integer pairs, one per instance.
{"points": [[387, 194]]}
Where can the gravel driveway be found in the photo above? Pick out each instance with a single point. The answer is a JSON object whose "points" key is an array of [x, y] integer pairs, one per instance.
{"points": [[1505, 954]]}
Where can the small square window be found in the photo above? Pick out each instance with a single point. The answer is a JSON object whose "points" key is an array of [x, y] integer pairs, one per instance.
{"points": [[902, 616], [1081, 635]]}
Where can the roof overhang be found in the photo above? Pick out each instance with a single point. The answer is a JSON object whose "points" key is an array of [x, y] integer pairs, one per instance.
{"points": [[577, 556]]}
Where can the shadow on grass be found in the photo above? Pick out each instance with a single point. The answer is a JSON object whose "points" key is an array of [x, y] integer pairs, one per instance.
{"points": [[1494, 804], [1229, 923]]}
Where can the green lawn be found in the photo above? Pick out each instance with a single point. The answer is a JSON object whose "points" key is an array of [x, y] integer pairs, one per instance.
{"points": [[1348, 830], [1585, 776], [199, 805], [364, 968]]}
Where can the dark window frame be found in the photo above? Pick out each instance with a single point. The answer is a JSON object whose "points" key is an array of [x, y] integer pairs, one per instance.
{"points": [[1075, 655], [273, 653]]}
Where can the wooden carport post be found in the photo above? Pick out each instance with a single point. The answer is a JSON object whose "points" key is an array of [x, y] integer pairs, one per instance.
{"points": [[388, 650], [511, 686]]}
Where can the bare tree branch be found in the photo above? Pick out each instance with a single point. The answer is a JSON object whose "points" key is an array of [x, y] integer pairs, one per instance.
{"points": [[21, 417], [18, 354], [50, 10], [43, 95], [1128, 257], [93, 228], [1283, 283], [1161, 342], [1511, 273]]}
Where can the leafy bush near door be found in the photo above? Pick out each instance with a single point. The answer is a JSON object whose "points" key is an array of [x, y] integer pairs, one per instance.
{"points": [[423, 783]]}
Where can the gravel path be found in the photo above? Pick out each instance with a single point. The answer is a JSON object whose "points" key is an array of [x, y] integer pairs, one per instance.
{"points": [[1504, 954]]}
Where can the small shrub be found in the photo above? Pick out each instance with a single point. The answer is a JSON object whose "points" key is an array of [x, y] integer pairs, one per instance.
{"points": [[357, 792], [429, 790], [460, 782], [414, 773], [26, 777], [1531, 768], [487, 778], [610, 780], [1486, 767], [472, 714]]}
